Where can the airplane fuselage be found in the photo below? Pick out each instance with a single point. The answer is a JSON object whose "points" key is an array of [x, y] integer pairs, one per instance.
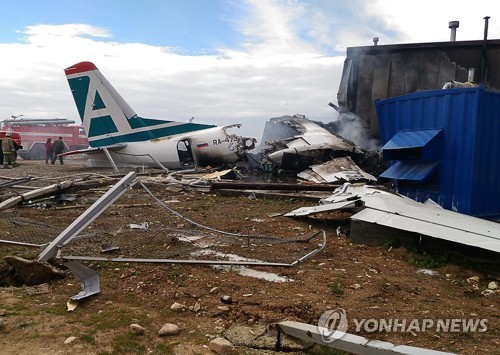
{"points": [[212, 146]]}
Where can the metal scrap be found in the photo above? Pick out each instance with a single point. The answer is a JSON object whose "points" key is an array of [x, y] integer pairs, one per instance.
{"points": [[334, 171], [296, 144], [393, 210]]}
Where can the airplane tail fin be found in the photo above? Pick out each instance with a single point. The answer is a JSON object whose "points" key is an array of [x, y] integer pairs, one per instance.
{"points": [[105, 115]]}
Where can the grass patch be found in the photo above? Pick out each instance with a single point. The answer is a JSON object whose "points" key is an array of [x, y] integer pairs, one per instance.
{"points": [[57, 310], [128, 343], [110, 319], [162, 349], [177, 278], [427, 261], [88, 338], [337, 287]]}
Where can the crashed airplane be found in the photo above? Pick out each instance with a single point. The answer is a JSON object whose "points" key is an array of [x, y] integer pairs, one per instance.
{"points": [[118, 136], [299, 144]]}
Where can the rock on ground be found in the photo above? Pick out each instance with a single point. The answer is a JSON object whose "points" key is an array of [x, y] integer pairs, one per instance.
{"points": [[168, 329], [221, 346], [137, 329]]}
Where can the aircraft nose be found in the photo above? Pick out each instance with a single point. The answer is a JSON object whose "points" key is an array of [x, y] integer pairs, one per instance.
{"points": [[276, 157]]}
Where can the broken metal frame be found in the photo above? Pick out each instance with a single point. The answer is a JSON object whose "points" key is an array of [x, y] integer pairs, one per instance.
{"points": [[22, 244], [199, 262], [89, 215], [89, 278]]}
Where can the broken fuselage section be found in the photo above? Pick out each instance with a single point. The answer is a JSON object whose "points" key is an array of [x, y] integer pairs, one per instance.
{"points": [[296, 143]]}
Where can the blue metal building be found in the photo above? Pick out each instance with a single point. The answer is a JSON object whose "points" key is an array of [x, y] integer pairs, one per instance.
{"points": [[445, 145]]}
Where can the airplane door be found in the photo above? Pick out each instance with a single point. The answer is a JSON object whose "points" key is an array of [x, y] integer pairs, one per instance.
{"points": [[185, 153]]}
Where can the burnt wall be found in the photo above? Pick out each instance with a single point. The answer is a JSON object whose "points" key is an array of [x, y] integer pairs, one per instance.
{"points": [[379, 72]]}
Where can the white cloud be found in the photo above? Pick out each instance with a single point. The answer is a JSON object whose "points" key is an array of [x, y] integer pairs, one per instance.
{"points": [[275, 73], [427, 20], [284, 66]]}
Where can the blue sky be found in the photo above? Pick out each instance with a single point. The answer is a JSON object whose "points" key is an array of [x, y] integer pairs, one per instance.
{"points": [[191, 26], [220, 61]]}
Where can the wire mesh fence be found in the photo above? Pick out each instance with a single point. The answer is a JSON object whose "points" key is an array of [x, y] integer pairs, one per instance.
{"points": [[143, 225]]}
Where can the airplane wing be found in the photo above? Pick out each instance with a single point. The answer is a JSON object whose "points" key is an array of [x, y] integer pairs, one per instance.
{"points": [[114, 147]]}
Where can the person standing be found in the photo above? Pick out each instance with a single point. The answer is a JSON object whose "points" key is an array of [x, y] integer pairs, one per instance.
{"points": [[59, 148], [8, 151], [49, 150]]}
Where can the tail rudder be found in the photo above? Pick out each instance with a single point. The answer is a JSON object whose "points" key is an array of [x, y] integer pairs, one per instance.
{"points": [[104, 113], [107, 118]]}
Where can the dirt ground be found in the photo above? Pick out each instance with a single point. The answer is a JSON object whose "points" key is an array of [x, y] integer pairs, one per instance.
{"points": [[370, 283]]}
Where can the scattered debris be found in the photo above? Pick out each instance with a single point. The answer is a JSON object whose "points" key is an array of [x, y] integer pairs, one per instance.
{"points": [[337, 170], [143, 225], [108, 248], [65, 198], [70, 340], [44, 191], [72, 304], [228, 174], [297, 143], [427, 272], [397, 212], [89, 279]]}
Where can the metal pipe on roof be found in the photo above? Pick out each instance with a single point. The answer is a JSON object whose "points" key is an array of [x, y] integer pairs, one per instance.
{"points": [[484, 63], [453, 25], [486, 18], [375, 41]]}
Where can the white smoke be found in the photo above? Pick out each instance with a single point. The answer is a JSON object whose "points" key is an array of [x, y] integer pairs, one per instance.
{"points": [[351, 127]]}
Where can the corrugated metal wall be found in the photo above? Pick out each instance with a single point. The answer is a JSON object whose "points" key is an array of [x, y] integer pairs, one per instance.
{"points": [[470, 165], [384, 71]]}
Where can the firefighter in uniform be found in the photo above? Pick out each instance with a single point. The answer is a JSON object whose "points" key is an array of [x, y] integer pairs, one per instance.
{"points": [[8, 151]]}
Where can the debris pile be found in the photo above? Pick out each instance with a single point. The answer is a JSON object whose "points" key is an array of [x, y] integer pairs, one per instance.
{"points": [[304, 147]]}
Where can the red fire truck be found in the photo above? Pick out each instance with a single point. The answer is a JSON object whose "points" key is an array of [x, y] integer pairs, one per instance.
{"points": [[34, 133]]}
